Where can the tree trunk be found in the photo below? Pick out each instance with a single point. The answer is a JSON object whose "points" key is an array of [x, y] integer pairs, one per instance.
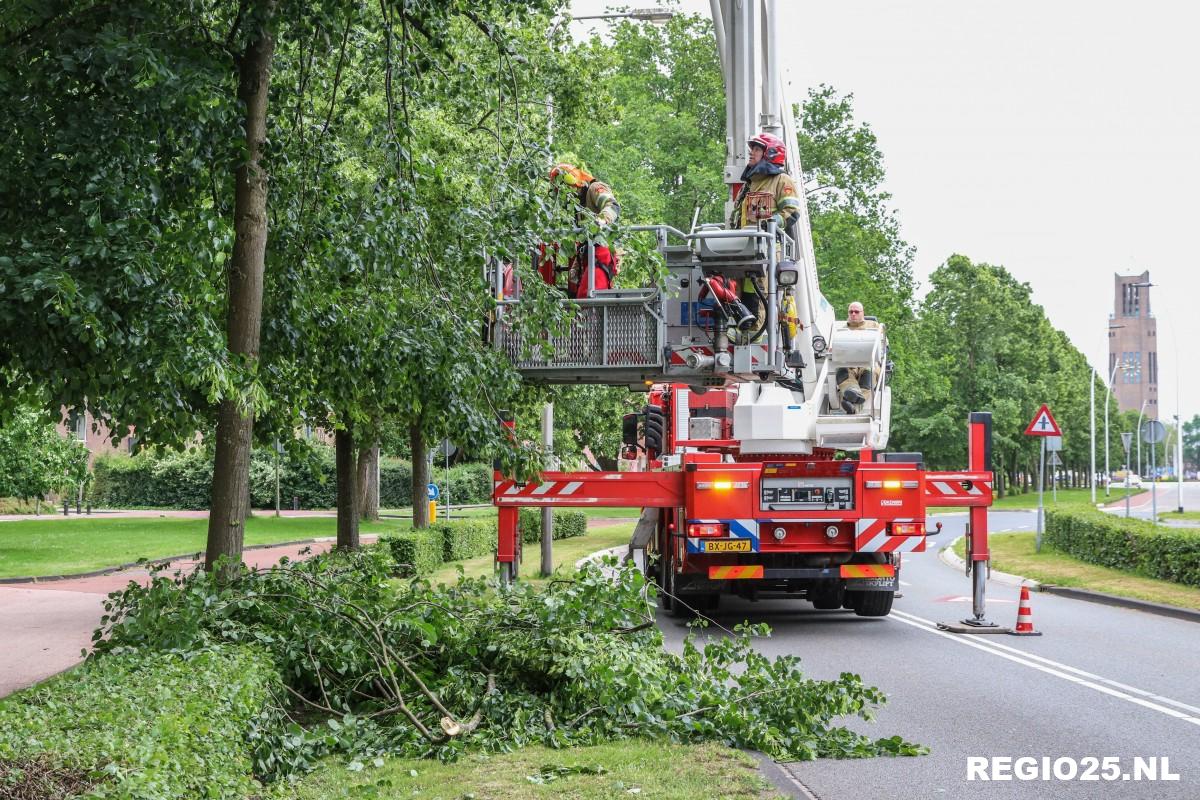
{"points": [[368, 482], [347, 491], [235, 421], [420, 476]]}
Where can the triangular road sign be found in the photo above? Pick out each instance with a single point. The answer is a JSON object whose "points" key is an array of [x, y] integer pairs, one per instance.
{"points": [[1043, 423], [1054, 461]]}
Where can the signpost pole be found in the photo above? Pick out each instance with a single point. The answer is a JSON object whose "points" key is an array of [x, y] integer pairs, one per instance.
{"points": [[1041, 512], [1125, 438], [1153, 485]]}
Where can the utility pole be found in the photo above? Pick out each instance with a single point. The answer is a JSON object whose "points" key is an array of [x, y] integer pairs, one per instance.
{"points": [[1092, 419]]}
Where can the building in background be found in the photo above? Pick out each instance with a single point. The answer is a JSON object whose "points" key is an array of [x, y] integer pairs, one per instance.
{"points": [[94, 433], [1133, 343]]}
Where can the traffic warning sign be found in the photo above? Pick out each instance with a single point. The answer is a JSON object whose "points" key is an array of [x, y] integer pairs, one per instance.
{"points": [[1043, 424]]}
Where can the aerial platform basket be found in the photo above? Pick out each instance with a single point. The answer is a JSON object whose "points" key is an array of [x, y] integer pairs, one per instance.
{"points": [[638, 336]]}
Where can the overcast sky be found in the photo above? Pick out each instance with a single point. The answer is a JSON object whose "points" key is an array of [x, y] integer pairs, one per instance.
{"points": [[1059, 139]]}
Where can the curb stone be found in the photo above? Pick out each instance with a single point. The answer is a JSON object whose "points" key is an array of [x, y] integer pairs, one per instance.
{"points": [[950, 558], [599, 554]]}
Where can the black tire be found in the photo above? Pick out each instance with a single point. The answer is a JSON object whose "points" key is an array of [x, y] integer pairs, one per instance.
{"points": [[828, 599], [874, 604], [661, 581], [677, 605], [654, 425]]}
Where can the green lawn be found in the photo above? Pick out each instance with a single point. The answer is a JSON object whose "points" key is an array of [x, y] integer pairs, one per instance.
{"points": [[1014, 553], [1186, 515], [635, 768], [66, 546], [566, 553]]}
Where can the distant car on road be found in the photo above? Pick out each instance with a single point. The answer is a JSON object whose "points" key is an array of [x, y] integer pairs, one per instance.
{"points": [[1132, 480]]}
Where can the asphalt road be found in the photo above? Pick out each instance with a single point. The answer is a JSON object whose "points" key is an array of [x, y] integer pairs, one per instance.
{"points": [[1166, 498], [1101, 681]]}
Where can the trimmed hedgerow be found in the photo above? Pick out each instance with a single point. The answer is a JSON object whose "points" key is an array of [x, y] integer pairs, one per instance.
{"points": [[567, 524], [183, 479], [1171, 554], [143, 724], [422, 552], [467, 538], [415, 552]]}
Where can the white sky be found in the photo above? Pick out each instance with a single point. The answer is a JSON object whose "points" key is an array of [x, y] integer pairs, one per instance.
{"points": [[1059, 139]]}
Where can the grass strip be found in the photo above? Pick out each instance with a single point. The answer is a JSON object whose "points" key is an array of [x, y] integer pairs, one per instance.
{"points": [[631, 768], [1185, 515], [1014, 553], [566, 553]]}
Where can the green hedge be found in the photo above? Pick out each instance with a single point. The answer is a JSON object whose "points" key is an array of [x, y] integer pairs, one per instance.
{"points": [[183, 480], [567, 524], [146, 725], [1135, 545], [422, 552], [468, 538], [415, 552]]}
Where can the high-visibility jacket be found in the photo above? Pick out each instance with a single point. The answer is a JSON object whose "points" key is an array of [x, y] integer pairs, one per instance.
{"points": [[600, 200], [767, 196]]}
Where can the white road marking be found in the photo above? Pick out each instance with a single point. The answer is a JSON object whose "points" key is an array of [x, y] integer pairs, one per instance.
{"points": [[1130, 694]]}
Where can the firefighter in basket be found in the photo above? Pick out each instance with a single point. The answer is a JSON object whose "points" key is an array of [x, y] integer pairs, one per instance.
{"points": [[590, 199]]}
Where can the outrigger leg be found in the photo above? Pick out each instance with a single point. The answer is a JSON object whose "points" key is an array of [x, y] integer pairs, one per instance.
{"points": [[979, 456]]}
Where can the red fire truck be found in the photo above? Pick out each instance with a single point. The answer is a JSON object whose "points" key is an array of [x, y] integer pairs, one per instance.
{"points": [[825, 527], [758, 471]]}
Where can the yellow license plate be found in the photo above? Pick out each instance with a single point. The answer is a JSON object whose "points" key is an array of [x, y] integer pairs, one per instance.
{"points": [[728, 546]]}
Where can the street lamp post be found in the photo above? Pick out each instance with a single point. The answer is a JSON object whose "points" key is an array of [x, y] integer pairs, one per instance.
{"points": [[1141, 411], [1178, 460], [1107, 403], [1092, 433]]}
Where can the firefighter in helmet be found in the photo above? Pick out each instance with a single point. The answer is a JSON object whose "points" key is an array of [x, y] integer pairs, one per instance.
{"points": [[591, 199], [768, 192]]}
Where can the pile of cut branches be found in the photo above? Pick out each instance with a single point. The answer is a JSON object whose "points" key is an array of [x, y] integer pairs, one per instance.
{"points": [[374, 665]]}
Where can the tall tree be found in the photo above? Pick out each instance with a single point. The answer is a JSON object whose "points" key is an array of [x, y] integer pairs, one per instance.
{"points": [[130, 202], [1191, 442], [235, 417]]}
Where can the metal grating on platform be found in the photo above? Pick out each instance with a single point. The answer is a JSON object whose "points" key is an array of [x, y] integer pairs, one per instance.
{"points": [[602, 335]]}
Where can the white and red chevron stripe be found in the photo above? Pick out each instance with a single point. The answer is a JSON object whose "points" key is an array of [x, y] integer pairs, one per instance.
{"points": [[871, 536], [510, 488], [951, 485]]}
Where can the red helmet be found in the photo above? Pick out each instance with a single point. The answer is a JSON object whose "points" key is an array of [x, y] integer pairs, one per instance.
{"points": [[774, 150]]}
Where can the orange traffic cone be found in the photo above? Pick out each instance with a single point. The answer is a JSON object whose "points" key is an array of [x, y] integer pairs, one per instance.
{"points": [[1025, 616]]}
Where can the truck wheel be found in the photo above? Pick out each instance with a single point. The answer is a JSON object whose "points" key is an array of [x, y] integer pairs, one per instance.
{"points": [[661, 581], [674, 607], [828, 599], [874, 604]]}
